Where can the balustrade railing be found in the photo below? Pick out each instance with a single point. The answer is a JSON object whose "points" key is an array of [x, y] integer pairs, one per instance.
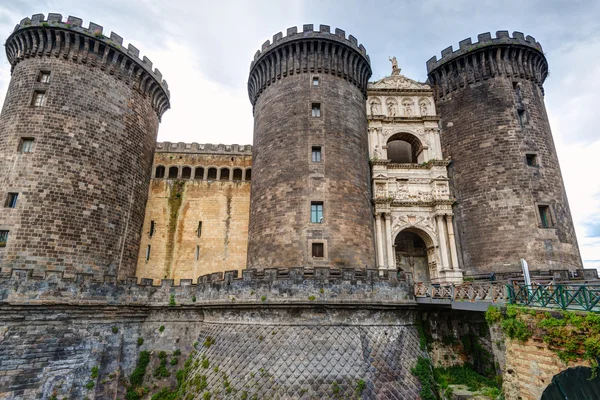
{"points": [[488, 291]]}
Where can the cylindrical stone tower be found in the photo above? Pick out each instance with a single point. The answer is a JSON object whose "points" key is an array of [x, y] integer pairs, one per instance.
{"points": [[77, 136], [310, 197], [511, 200]]}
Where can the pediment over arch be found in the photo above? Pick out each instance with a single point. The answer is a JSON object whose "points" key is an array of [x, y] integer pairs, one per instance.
{"points": [[398, 82]]}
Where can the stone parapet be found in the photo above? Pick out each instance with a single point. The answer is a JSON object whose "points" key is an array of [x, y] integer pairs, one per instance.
{"points": [[203, 148], [37, 36], [309, 51], [254, 287]]}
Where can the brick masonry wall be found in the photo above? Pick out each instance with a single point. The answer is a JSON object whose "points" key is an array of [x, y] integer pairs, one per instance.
{"points": [[285, 180], [497, 193], [83, 188]]}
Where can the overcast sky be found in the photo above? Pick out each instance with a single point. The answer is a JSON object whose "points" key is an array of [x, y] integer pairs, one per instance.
{"points": [[204, 49]]}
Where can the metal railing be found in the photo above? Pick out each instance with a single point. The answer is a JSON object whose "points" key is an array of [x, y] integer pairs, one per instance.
{"points": [[563, 296]]}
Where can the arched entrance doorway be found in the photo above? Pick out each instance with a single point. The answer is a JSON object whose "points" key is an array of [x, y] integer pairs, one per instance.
{"points": [[411, 255], [573, 384], [404, 148]]}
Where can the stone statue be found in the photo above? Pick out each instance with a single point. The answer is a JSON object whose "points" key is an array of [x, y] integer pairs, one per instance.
{"points": [[374, 108], [395, 69], [423, 109], [407, 110], [391, 109], [376, 152]]}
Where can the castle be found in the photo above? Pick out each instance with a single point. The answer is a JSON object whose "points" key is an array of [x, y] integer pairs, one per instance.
{"points": [[349, 185]]}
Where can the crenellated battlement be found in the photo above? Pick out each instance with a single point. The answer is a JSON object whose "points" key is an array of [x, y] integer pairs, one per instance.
{"points": [[518, 57], [484, 40], [37, 36], [203, 148], [309, 51], [256, 286]]}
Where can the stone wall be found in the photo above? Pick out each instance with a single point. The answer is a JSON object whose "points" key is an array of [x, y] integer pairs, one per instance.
{"points": [[82, 186], [177, 206], [491, 101]]}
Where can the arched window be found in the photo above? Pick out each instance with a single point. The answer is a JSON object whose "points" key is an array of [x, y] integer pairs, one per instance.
{"points": [[237, 174], [173, 172], [225, 174], [160, 172], [249, 174], [212, 174], [404, 148], [199, 173], [186, 173]]}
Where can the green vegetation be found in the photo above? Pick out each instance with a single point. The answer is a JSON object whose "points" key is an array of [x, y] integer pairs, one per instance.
{"points": [[134, 391], [263, 298], [335, 388], [161, 371], [162, 328], [209, 341], [90, 385], [360, 388], [140, 341], [463, 375], [115, 329], [172, 300], [193, 299], [94, 373], [205, 362], [177, 353], [423, 370], [174, 361], [311, 298], [570, 334]]}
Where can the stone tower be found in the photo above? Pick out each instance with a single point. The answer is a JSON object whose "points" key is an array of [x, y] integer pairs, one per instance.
{"points": [[511, 201], [310, 198], [77, 136]]}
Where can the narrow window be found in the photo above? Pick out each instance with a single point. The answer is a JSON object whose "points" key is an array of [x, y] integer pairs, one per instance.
{"points": [[521, 117], [531, 160], [197, 252], [316, 154], [249, 174], [199, 173], [44, 77], [11, 200], [160, 172], [148, 253], [39, 98], [173, 172], [199, 230], [316, 212], [152, 228], [316, 109], [315, 81], [186, 173], [25, 145], [317, 250], [212, 173], [237, 174], [3, 238], [225, 174], [545, 220]]}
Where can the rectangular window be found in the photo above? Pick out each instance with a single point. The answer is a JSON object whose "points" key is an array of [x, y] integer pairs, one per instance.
{"points": [[25, 145], [197, 252], [521, 116], [148, 253], [317, 250], [531, 160], [315, 81], [39, 98], [316, 212], [316, 154], [11, 200], [316, 109], [152, 228], [44, 77], [199, 230], [545, 218], [3, 238]]}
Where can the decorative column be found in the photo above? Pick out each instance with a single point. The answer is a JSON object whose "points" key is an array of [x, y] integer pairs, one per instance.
{"points": [[442, 241], [452, 242], [379, 240], [388, 240]]}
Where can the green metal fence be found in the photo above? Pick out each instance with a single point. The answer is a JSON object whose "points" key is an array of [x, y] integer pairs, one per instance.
{"points": [[566, 297]]}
